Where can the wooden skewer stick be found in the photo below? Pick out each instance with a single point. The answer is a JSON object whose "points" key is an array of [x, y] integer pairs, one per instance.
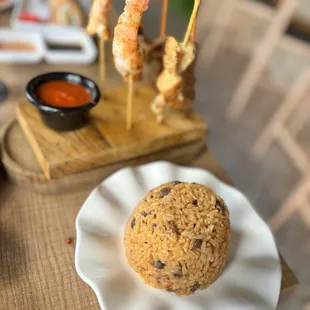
{"points": [[129, 102], [193, 32], [102, 65], [192, 22], [164, 13]]}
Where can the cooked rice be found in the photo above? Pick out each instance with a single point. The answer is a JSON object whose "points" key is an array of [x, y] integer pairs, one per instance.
{"points": [[178, 236]]}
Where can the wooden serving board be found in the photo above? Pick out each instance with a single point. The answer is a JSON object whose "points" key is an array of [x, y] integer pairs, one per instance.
{"points": [[105, 139], [24, 170]]}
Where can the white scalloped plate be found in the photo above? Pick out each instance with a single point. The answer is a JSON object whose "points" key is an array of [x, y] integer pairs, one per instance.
{"points": [[251, 279]]}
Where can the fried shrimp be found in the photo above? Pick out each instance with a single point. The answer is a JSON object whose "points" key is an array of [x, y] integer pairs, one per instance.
{"points": [[98, 19], [126, 48]]}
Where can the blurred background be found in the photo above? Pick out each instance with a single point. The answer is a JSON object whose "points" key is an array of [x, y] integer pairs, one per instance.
{"points": [[253, 87]]}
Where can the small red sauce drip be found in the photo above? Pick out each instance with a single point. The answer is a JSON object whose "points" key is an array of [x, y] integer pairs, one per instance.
{"points": [[63, 94], [68, 240]]}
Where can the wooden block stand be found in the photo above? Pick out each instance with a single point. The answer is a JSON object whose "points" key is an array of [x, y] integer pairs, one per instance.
{"points": [[105, 140], [51, 162]]}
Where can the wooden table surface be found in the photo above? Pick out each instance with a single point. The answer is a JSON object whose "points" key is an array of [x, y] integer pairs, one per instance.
{"points": [[36, 265]]}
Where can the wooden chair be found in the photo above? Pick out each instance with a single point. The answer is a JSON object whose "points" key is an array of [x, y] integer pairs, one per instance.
{"points": [[298, 200], [216, 26], [276, 129], [260, 58]]}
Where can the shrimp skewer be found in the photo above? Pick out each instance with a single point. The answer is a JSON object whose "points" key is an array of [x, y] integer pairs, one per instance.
{"points": [[126, 49], [98, 19], [98, 24], [128, 57]]}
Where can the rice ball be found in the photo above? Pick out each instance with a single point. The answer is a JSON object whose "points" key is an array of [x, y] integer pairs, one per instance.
{"points": [[177, 238]]}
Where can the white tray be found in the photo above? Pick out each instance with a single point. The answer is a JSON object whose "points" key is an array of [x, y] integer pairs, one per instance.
{"points": [[12, 56], [87, 55], [62, 34], [49, 31]]}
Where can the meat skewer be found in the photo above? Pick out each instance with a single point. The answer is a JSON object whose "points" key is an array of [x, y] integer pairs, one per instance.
{"points": [[178, 64], [128, 57], [170, 82], [98, 24]]}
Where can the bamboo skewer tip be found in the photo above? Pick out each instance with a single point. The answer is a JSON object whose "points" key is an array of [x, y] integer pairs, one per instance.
{"points": [[129, 103], [192, 22]]}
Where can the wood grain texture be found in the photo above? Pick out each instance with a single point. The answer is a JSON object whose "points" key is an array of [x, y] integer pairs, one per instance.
{"points": [[24, 170], [105, 139]]}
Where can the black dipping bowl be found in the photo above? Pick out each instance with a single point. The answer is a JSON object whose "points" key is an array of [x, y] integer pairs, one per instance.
{"points": [[57, 118]]}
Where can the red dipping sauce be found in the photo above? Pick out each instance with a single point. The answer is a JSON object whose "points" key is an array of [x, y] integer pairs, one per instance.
{"points": [[63, 94]]}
